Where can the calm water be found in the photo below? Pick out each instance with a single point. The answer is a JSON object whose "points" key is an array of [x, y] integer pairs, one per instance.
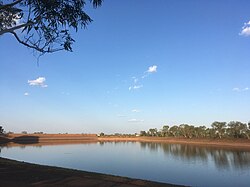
{"points": [[170, 163]]}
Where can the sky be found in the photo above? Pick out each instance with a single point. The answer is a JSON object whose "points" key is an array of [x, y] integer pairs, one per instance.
{"points": [[138, 65]]}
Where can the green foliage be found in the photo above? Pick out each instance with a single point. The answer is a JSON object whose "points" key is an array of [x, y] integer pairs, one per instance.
{"points": [[233, 129], [38, 132], [1, 130], [152, 132], [102, 134], [45, 25], [164, 131], [219, 127], [237, 129], [143, 133]]}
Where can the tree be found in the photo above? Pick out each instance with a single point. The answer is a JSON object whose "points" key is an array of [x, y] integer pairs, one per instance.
{"points": [[152, 132], [1, 130], [237, 129], [174, 131], [165, 130], [102, 134], [201, 131], [143, 133], [44, 25], [219, 127]]}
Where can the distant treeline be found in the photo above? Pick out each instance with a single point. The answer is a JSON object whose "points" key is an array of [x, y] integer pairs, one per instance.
{"points": [[233, 129]]}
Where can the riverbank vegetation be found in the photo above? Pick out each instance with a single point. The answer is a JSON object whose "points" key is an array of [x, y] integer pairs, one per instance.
{"points": [[233, 129]]}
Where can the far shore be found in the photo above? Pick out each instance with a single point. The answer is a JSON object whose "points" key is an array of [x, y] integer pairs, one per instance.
{"points": [[55, 139]]}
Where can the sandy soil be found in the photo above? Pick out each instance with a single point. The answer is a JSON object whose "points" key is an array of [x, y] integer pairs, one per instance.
{"points": [[21, 174]]}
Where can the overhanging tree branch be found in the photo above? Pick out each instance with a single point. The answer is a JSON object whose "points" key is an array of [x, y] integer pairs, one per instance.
{"points": [[34, 46], [10, 30], [10, 4], [48, 24]]}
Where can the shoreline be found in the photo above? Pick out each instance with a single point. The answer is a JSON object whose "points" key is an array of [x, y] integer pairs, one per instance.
{"points": [[56, 139], [16, 173]]}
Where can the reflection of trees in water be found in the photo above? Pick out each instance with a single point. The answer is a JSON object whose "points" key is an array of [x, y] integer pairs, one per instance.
{"points": [[153, 147], [241, 159], [22, 146], [114, 142], [38, 146], [222, 158], [177, 150]]}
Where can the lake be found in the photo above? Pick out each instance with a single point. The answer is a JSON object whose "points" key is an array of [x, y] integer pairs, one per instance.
{"points": [[162, 162]]}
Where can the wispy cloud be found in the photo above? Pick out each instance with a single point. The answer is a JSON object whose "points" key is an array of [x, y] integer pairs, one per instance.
{"points": [[135, 79], [135, 87], [26, 94], [152, 69], [121, 116], [236, 89], [135, 120], [135, 110], [65, 93], [40, 81], [245, 29]]}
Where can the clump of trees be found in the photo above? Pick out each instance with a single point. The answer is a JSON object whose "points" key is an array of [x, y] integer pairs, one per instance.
{"points": [[116, 135], [233, 129], [38, 132]]}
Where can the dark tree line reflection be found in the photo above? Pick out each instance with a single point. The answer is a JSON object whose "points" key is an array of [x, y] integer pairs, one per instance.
{"points": [[221, 157]]}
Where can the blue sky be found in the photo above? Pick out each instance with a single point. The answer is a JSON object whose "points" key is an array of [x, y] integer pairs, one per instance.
{"points": [[140, 64]]}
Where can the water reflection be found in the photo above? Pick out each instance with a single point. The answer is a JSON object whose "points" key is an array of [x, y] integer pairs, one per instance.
{"points": [[222, 158], [191, 165]]}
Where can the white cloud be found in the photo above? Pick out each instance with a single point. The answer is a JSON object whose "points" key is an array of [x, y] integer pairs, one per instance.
{"points": [[245, 29], [40, 81], [152, 69], [135, 87], [240, 89], [65, 93], [236, 89], [135, 110], [135, 79], [135, 120], [121, 116], [26, 94]]}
